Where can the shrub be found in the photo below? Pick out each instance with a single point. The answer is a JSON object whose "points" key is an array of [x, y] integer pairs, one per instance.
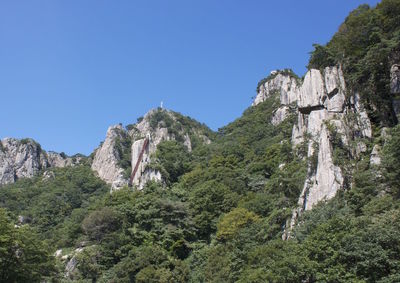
{"points": [[100, 222], [233, 221]]}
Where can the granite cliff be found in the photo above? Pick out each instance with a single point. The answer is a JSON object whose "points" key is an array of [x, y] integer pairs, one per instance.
{"points": [[24, 158], [328, 115], [137, 144]]}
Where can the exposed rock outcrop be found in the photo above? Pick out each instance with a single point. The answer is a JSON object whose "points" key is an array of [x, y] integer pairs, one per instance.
{"points": [[56, 159], [321, 102], [395, 88], [326, 179], [335, 87], [71, 266], [280, 115], [106, 158], [156, 126], [395, 79], [280, 81], [312, 92], [154, 132], [375, 155], [25, 158], [286, 85]]}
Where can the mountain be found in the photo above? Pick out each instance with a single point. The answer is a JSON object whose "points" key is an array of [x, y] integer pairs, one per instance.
{"points": [[125, 155], [303, 187], [25, 158]]}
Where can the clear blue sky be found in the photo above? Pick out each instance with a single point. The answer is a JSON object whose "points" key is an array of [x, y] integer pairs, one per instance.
{"points": [[69, 69]]}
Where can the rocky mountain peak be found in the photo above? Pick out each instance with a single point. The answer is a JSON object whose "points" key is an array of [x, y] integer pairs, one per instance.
{"points": [[285, 82], [124, 157], [24, 158]]}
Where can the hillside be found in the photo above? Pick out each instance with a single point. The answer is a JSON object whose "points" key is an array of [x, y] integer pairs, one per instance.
{"points": [[303, 187]]}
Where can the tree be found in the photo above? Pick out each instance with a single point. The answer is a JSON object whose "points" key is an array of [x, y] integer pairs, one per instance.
{"points": [[233, 221], [100, 222], [23, 257]]}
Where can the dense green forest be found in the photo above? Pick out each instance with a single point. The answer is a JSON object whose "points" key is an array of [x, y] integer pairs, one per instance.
{"points": [[221, 210]]}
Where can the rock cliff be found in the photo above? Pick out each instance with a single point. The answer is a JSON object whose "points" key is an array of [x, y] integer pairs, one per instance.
{"points": [[395, 88], [107, 158], [285, 83], [139, 143], [25, 158], [324, 111]]}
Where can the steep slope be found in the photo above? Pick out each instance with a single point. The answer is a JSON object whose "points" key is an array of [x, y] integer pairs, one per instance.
{"points": [[125, 155], [107, 157], [342, 108], [323, 110], [25, 158]]}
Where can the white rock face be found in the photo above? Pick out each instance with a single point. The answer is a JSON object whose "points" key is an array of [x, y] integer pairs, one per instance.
{"points": [[335, 87], [395, 79], [138, 179], [363, 122], [56, 159], [286, 85], [280, 115], [328, 177], [58, 253], [322, 101], [106, 159], [317, 92], [375, 155], [20, 159], [395, 88], [25, 158], [155, 137], [312, 91]]}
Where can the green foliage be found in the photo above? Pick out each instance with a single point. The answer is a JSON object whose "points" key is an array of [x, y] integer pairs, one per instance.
{"points": [[221, 215], [147, 264], [88, 263], [172, 160], [366, 45], [123, 147], [320, 58], [208, 201], [56, 206], [100, 222], [180, 126], [278, 261], [233, 221], [23, 257], [391, 162]]}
